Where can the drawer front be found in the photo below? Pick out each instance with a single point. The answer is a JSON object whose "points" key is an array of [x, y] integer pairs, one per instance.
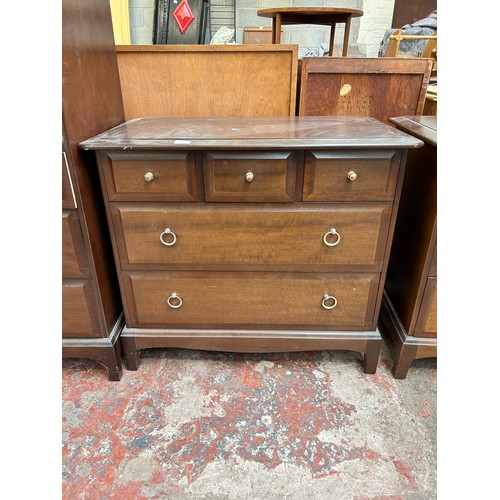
{"points": [[250, 176], [79, 313], [256, 237], [74, 257], [165, 176], [345, 175], [225, 299], [427, 317]]}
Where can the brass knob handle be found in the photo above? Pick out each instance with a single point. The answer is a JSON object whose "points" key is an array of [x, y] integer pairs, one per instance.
{"points": [[149, 176], [329, 301], [326, 237], [168, 237], [174, 301], [352, 175], [249, 176]]}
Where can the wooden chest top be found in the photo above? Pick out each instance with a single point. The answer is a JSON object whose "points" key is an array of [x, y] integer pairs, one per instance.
{"points": [[252, 132]]}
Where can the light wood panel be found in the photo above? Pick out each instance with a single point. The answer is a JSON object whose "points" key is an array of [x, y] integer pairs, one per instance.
{"points": [[208, 80]]}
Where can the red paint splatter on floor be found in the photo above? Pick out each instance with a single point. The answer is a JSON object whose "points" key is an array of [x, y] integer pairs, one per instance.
{"points": [[403, 470], [425, 412]]}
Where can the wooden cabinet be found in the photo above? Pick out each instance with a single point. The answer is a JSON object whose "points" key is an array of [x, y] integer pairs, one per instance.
{"points": [[409, 309], [92, 315], [282, 244]]}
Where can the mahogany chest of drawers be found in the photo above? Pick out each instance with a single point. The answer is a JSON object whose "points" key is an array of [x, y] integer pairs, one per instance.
{"points": [[252, 234], [409, 307]]}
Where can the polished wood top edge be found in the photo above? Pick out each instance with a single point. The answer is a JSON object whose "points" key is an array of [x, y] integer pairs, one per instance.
{"points": [[251, 132], [314, 11], [209, 48], [417, 126]]}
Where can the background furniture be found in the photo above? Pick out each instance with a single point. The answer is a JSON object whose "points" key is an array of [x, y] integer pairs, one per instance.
{"points": [[408, 12], [409, 308], [180, 22], [326, 16], [257, 35], [252, 234], [378, 87], [208, 80], [91, 103]]}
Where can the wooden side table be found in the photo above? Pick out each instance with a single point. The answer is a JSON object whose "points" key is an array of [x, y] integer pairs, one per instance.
{"points": [[325, 16]]}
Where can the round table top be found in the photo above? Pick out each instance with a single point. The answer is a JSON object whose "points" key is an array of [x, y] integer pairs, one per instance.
{"points": [[309, 11]]}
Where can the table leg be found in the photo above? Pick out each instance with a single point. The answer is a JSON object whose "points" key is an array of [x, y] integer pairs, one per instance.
{"points": [[332, 38], [277, 29], [346, 35]]}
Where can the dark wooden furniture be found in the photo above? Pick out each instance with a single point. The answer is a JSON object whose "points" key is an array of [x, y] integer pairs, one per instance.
{"points": [[408, 12], [92, 317], [325, 16], [208, 80], [378, 87], [252, 234], [409, 307]]}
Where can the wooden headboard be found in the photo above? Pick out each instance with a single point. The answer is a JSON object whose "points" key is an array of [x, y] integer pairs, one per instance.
{"points": [[208, 80]]}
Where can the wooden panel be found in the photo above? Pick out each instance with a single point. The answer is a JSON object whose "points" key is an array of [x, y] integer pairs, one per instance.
{"points": [[258, 35], [381, 87], [259, 236], [79, 315], [427, 317], [433, 267], [326, 175], [408, 12], [75, 263], [208, 80], [174, 176], [272, 176], [231, 299]]}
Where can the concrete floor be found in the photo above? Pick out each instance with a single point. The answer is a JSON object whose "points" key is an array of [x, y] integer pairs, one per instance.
{"points": [[201, 425]]}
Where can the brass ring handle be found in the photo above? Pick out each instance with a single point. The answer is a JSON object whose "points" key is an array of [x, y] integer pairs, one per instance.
{"points": [[174, 301], [352, 175], [149, 176], [164, 234], [328, 298], [332, 231], [249, 176]]}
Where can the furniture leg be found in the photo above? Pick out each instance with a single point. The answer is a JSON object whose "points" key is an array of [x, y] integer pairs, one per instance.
{"points": [[111, 358], [277, 29], [332, 38], [130, 353], [372, 354], [346, 35], [405, 355]]}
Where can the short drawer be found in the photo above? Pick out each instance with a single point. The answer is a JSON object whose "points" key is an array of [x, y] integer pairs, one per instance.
{"points": [[157, 176], [232, 299], [79, 316], [346, 175], [336, 237], [427, 316], [250, 176], [74, 257]]}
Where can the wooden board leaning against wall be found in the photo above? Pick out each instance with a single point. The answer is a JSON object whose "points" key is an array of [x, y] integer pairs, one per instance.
{"points": [[208, 80]]}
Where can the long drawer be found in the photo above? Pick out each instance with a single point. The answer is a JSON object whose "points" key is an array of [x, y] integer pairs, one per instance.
{"points": [[327, 301], [322, 237]]}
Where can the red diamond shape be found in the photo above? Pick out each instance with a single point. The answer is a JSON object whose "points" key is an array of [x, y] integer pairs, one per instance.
{"points": [[183, 16]]}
